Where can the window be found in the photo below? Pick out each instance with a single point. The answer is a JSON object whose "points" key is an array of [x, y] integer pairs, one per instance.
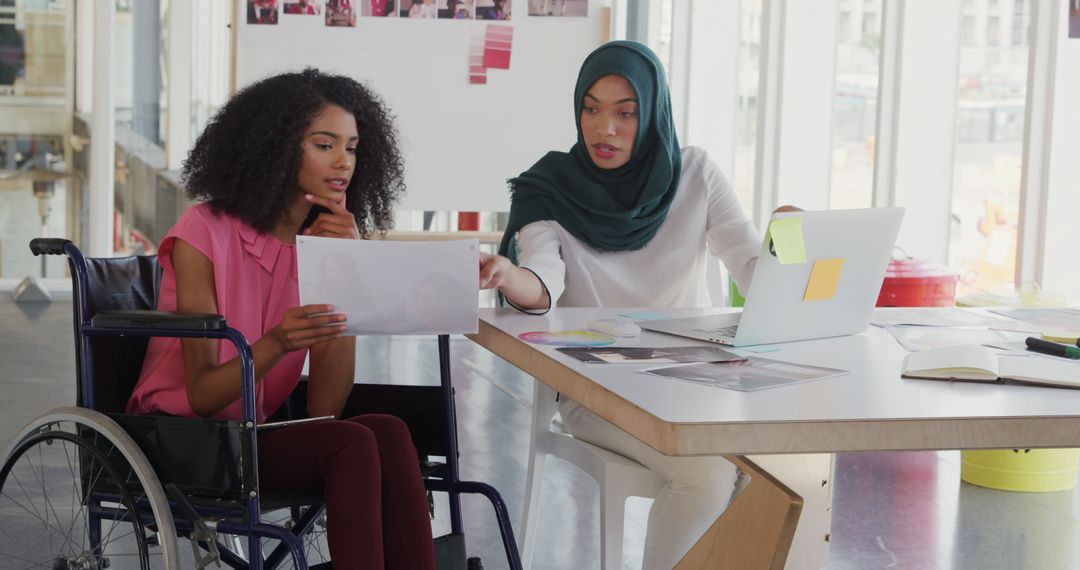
{"points": [[870, 23], [968, 38], [33, 96], [993, 31], [855, 112], [1020, 22], [746, 112], [139, 86], [843, 26], [987, 162], [211, 44]]}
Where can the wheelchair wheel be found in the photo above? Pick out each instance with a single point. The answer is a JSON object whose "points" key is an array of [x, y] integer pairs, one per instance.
{"points": [[316, 549], [77, 493]]}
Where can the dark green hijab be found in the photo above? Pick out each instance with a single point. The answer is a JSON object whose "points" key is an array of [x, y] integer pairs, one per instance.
{"points": [[611, 210]]}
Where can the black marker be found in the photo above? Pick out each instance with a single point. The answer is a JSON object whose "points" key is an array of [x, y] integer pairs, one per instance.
{"points": [[1052, 348]]}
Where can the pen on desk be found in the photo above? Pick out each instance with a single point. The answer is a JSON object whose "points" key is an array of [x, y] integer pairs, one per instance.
{"points": [[1052, 348]]}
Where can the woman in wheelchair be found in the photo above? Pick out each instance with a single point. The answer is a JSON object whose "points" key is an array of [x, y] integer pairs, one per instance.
{"points": [[278, 150]]}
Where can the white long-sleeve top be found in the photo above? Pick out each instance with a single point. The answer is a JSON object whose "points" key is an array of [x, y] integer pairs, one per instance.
{"points": [[705, 217]]}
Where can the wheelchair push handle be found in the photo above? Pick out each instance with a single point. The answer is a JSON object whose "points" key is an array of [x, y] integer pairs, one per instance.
{"points": [[48, 246]]}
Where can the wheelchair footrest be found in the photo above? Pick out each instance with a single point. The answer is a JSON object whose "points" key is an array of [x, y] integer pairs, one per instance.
{"points": [[450, 552]]}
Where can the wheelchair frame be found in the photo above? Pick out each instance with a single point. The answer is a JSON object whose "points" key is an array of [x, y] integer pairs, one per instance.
{"points": [[188, 517]]}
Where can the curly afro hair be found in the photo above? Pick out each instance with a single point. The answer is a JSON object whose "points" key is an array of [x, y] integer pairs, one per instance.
{"points": [[246, 162]]}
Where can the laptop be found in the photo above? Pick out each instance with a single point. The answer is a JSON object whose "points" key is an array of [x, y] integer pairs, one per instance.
{"points": [[775, 310]]}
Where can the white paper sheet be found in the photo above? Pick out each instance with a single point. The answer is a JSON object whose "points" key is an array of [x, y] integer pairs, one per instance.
{"points": [[915, 339], [935, 317], [393, 287]]}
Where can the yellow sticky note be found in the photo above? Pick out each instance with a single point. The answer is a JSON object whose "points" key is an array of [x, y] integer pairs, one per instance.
{"points": [[787, 239], [823, 279]]}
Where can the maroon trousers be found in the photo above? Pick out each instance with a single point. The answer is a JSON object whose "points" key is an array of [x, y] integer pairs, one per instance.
{"points": [[376, 506]]}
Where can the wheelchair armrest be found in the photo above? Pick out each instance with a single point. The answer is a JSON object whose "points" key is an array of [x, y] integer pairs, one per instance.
{"points": [[158, 320], [48, 246]]}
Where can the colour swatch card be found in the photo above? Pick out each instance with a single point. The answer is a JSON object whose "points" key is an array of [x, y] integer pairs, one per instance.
{"points": [[490, 51], [497, 43], [567, 338], [477, 71]]}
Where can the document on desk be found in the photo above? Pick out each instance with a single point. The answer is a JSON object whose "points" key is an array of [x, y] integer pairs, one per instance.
{"points": [[645, 355], [914, 339], [1066, 319], [393, 287], [753, 373], [935, 317]]}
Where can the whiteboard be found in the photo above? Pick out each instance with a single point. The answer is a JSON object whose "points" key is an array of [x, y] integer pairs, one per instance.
{"points": [[460, 142]]}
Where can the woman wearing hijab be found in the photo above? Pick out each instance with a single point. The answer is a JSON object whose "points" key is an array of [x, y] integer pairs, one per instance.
{"points": [[626, 218]]}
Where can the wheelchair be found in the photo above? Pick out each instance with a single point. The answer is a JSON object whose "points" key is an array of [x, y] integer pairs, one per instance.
{"points": [[89, 487]]}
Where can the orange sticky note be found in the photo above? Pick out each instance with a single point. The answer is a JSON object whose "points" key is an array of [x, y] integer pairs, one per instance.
{"points": [[823, 279]]}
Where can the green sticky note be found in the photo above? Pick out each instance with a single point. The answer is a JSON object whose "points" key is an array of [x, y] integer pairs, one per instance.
{"points": [[787, 240]]}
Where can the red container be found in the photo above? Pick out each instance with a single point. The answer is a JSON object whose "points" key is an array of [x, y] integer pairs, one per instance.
{"points": [[918, 283]]}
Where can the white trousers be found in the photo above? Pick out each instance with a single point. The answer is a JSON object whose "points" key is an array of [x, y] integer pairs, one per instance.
{"points": [[695, 494]]}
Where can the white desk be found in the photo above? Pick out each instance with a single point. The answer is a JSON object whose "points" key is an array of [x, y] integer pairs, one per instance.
{"points": [[869, 409]]}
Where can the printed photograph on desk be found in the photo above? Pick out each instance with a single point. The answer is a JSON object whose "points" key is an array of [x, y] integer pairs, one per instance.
{"points": [[746, 375], [559, 8], [456, 9], [418, 9], [644, 355], [340, 14], [302, 7], [493, 10]]}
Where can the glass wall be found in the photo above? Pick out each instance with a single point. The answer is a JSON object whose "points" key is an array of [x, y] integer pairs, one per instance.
{"points": [[992, 87], [858, 43], [35, 196], [746, 111]]}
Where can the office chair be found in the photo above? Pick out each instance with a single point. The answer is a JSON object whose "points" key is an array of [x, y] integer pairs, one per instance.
{"points": [[619, 478]]}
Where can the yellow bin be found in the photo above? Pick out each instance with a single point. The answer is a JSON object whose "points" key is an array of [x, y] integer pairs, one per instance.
{"points": [[1025, 470]]}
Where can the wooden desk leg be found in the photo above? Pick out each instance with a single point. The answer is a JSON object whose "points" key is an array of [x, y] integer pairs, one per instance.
{"points": [[755, 531]]}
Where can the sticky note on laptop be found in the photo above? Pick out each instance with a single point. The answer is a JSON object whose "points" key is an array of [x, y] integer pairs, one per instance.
{"points": [[787, 240], [823, 279]]}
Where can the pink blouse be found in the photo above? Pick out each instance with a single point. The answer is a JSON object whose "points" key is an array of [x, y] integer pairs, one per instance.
{"points": [[256, 282]]}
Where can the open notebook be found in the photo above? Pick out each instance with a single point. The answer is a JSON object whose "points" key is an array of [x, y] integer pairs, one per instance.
{"points": [[983, 364]]}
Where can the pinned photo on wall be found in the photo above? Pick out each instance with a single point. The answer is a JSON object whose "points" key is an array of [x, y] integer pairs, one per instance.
{"points": [[418, 9], [457, 9], [559, 8], [377, 8], [493, 10], [262, 12], [340, 14], [1074, 18], [302, 7]]}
